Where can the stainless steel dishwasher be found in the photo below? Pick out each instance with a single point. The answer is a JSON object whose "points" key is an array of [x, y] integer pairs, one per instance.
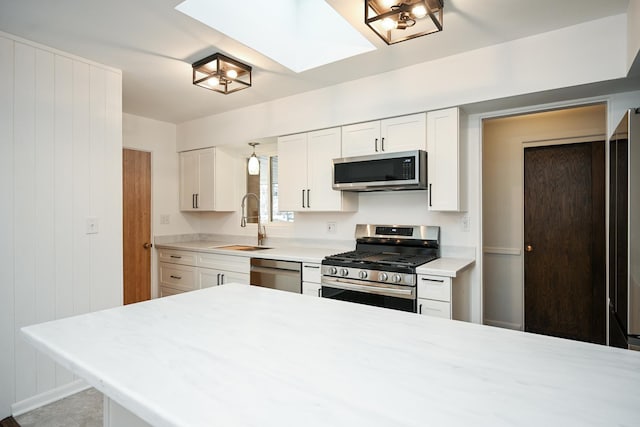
{"points": [[276, 274]]}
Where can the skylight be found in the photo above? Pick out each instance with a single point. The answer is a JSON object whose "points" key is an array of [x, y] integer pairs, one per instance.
{"points": [[299, 34]]}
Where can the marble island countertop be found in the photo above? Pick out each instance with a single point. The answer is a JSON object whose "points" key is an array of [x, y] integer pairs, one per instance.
{"points": [[237, 355], [445, 266]]}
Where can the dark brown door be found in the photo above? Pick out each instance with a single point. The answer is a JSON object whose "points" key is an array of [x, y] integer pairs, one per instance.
{"points": [[564, 237], [136, 227]]}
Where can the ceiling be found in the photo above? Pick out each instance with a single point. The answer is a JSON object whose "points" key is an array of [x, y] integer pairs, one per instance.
{"points": [[154, 45]]}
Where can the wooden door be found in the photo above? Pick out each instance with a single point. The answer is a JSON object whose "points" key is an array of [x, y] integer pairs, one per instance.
{"points": [[564, 263], [136, 225]]}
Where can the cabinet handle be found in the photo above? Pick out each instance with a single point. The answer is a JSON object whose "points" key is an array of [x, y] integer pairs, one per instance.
{"points": [[221, 279], [432, 280], [376, 143], [320, 292], [218, 279], [303, 198], [176, 256], [312, 266], [176, 277], [193, 201], [197, 201], [382, 144], [308, 203], [419, 308], [430, 194]]}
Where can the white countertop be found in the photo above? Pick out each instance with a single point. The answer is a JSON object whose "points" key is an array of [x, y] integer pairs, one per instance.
{"points": [[286, 253], [237, 355], [441, 267]]}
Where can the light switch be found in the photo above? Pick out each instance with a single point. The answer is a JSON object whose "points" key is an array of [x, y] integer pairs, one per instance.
{"points": [[92, 225], [165, 219]]}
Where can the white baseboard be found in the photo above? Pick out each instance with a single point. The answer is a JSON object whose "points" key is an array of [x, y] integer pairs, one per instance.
{"points": [[47, 397], [501, 324]]}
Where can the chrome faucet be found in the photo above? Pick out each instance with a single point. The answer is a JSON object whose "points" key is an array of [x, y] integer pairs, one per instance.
{"points": [[262, 233]]}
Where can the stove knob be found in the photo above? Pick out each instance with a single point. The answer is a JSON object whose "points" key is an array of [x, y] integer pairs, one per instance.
{"points": [[362, 274], [383, 277], [333, 270], [396, 278], [344, 272]]}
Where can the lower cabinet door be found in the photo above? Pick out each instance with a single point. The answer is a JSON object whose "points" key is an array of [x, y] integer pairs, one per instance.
{"points": [[208, 277], [311, 288], [234, 277], [177, 276], [428, 307]]}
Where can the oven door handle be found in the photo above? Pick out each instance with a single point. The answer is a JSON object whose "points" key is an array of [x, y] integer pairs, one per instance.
{"points": [[370, 289]]}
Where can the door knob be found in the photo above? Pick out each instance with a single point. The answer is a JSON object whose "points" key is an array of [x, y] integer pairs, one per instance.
{"points": [[147, 245], [528, 248]]}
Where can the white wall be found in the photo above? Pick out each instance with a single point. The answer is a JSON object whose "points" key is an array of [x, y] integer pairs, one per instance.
{"points": [[548, 61], [159, 138], [60, 163], [633, 36]]}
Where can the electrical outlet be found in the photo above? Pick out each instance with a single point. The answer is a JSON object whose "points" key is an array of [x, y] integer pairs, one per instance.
{"points": [[165, 219], [92, 225], [466, 223], [331, 227]]}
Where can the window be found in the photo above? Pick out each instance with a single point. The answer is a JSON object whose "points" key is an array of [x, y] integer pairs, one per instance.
{"points": [[265, 186]]}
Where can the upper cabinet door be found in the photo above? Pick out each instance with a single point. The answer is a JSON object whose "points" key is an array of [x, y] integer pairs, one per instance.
{"points": [[206, 180], [188, 180], [323, 147], [361, 139], [443, 159], [292, 172], [403, 133]]}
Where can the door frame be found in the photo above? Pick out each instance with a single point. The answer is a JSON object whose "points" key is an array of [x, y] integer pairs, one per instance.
{"points": [[476, 123], [154, 261]]}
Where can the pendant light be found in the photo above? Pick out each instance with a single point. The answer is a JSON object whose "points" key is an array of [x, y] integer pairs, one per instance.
{"points": [[253, 166]]}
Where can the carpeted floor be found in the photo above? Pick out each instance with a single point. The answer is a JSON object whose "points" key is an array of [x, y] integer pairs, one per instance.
{"points": [[82, 409]]}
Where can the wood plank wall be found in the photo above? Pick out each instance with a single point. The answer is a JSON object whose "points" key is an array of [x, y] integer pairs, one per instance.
{"points": [[60, 163]]}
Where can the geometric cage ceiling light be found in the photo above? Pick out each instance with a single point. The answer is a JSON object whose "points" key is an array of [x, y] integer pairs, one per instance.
{"points": [[399, 20], [221, 74]]}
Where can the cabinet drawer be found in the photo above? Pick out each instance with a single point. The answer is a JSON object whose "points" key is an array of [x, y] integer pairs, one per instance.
{"points": [[177, 257], [178, 276], [311, 272], [428, 307], [166, 291], [239, 264], [434, 287]]}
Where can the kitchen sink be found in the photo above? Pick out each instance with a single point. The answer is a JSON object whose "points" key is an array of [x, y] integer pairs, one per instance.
{"points": [[241, 247]]}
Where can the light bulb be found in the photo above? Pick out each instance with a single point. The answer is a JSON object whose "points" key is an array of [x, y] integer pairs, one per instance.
{"points": [[419, 11], [253, 166], [388, 24], [213, 81], [232, 74]]}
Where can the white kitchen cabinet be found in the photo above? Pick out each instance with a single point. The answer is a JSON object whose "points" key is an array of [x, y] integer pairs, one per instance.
{"points": [[434, 296], [443, 160], [207, 180], [182, 271], [305, 173], [311, 279], [178, 277], [391, 135], [218, 269]]}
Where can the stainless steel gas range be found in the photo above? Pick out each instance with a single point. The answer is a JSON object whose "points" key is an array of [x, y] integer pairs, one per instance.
{"points": [[381, 271]]}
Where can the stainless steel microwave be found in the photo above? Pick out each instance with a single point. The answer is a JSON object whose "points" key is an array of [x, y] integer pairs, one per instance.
{"points": [[406, 170]]}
